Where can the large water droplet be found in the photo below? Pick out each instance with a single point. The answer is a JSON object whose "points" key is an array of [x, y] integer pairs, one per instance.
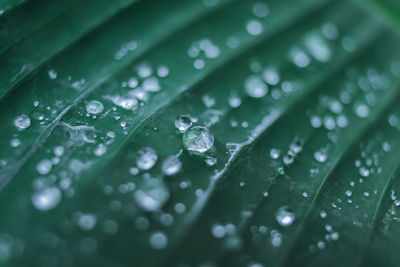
{"points": [[146, 158], [94, 107], [198, 139], [22, 122], [284, 216], [152, 195], [172, 165], [46, 198]]}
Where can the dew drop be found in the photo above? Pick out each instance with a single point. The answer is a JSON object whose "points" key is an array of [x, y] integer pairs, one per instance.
{"points": [[274, 153], [255, 87], [146, 158], [87, 221], [158, 240], [320, 156], [362, 110], [46, 198], [260, 10], [271, 76], [198, 139], [152, 195], [171, 165], [284, 216], [94, 107], [44, 166], [22, 122], [254, 27], [183, 122]]}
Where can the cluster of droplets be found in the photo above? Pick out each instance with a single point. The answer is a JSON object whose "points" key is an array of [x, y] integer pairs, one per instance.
{"points": [[201, 51], [125, 49], [254, 26], [144, 82], [314, 45]]}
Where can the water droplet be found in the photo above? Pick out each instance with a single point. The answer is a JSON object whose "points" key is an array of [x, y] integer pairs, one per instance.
{"points": [[208, 100], [198, 139], [362, 110], [274, 153], [22, 122], [87, 221], [15, 142], [94, 107], [163, 71], [318, 47], [100, 150], [46, 198], [316, 121], [260, 10], [158, 240], [44, 166], [171, 165], [254, 27], [52, 74], [255, 87], [151, 85], [152, 195], [146, 158], [284, 216], [234, 101], [218, 231], [183, 122], [330, 31], [299, 58], [320, 156], [211, 160], [271, 76]]}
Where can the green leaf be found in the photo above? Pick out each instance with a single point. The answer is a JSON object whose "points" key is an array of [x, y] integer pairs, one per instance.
{"points": [[199, 133]]}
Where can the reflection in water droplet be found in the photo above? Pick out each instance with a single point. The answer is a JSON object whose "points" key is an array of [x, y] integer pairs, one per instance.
{"points": [[22, 122], [198, 139], [46, 198], [146, 158], [94, 107], [152, 195], [284, 216], [171, 165]]}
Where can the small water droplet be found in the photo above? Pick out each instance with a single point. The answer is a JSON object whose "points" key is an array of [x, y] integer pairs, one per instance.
{"points": [[254, 27], [171, 165], [22, 122], [183, 122], [320, 156], [152, 195], [255, 87], [284, 216], [260, 10], [146, 158], [158, 240], [44, 166], [198, 139], [46, 198], [94, 107], [87, 221], [274, 153]]}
